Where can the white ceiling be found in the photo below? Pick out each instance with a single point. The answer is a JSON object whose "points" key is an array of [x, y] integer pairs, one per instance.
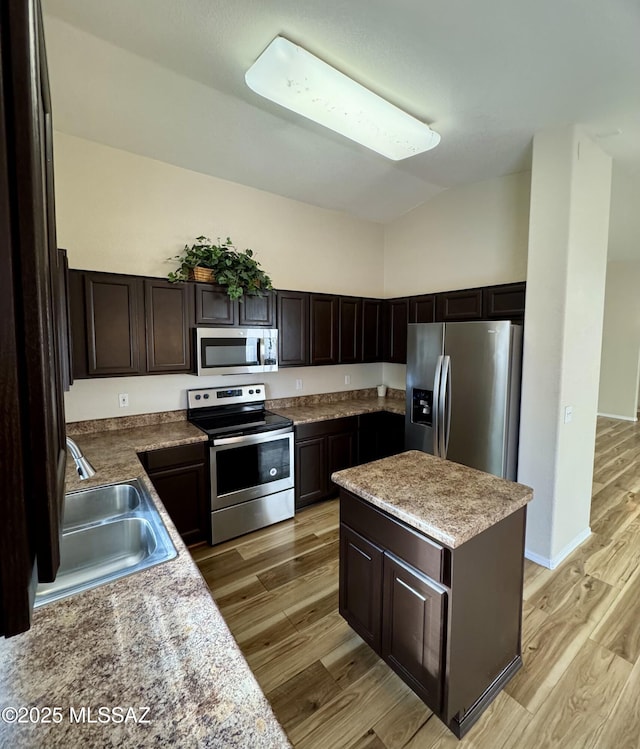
{"points": [[165, 78]]}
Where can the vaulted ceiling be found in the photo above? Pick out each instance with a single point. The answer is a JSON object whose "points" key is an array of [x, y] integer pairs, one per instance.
{"points": [[166, 79]]}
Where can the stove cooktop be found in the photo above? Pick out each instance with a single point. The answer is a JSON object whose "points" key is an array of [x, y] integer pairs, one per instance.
{"points": [[240, 423], [231, 411]]}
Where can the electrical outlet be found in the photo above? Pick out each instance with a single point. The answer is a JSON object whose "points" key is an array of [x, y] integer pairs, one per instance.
{"points": [[347, 379], [123, 400], [298, 384], [568, 414]]}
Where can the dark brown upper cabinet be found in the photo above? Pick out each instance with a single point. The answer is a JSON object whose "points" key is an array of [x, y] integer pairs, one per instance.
{"points": [[168, 317], [396, 319], [32, 427], [258, 311], [462, 305], [505, 302], [422, 308], [214, 307], [323, 315], [113, 313], [293, 328], [64, 320], [350, 330], [128, 325], [372, 330]]}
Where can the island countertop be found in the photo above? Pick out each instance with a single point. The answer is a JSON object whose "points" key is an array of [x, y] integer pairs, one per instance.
{"points": [[153, 640], [449, 502]]}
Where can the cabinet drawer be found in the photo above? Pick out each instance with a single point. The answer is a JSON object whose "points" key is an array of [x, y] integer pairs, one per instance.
{"points": [[175, 456], [415, 548], [329, 426]]}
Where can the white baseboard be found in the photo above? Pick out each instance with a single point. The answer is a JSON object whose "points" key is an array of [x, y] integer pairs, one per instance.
{"points": [[617, 416], [564, 553]]}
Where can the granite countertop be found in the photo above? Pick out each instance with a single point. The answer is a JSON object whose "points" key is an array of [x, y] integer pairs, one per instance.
{"points": [[323, 411], [449, 502], [155, 640]]}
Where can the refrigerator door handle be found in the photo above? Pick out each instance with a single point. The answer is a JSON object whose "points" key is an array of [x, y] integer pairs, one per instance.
{"points": [[436, 407], [446, 405]]}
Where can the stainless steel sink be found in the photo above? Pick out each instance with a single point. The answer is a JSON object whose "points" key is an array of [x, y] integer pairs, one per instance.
{"points": [[100, 503], [108, 532]]}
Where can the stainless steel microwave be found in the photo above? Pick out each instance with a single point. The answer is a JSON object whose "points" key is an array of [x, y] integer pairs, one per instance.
{"points": [[236, 350]]}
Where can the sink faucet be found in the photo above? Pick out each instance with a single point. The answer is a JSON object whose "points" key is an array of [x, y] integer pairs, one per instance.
{"points": [[84, 468]]}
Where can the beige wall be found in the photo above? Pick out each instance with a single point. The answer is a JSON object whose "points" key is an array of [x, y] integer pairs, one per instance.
{"points": [[474, 235], [619, 367], [124, 213], [98, 398], [570, 198]]}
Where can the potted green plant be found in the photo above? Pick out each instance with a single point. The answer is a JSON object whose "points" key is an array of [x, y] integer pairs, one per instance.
{"points": [[238, 271]]}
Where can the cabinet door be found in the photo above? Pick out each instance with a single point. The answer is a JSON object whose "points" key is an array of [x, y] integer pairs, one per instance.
{"points": [[323, 313], [396, 319], [505, 302], [32, 427], [113, 314], [361, 585], [391, 434], [258, 311], [422, 308], [311, 471], [168, 308], [341, 453], [380, 434], [372, 326], [452, 306], [413, 628], [214, 307], [350, 330], [368, 437], [293, 328], [183, 491], [64, 326]]}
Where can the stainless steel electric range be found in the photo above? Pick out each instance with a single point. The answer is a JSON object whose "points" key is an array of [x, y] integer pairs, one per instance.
{"points": [[251, 459]]}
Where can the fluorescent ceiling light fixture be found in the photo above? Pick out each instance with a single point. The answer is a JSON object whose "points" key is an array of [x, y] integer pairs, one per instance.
{"points": [[296, 79]]}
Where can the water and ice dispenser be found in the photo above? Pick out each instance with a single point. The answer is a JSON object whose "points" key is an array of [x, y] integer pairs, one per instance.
{"points": [[422, 407]]}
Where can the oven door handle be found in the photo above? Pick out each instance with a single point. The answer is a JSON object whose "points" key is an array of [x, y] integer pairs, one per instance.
{"points": [[252, 439]]}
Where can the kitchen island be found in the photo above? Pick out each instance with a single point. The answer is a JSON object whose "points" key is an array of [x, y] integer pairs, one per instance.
{"points": [[431, 573], [151, 649]]}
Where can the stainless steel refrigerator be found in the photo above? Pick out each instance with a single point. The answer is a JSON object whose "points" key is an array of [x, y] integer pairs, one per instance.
{"points": [[463, 393]]}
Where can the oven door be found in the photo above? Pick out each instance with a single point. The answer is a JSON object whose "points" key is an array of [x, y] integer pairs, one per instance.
{"points": [[252, 466]]}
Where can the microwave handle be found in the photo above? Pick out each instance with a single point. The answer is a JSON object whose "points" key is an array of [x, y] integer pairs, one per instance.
{"points": [[261, 350]]}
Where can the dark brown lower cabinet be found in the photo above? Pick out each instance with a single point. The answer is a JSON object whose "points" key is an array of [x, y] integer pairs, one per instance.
{"points": [[361, 581], [311, 471], [447, 621], [321, 448], [180, 476], [380, 434], [342, 450], [413, 621]]}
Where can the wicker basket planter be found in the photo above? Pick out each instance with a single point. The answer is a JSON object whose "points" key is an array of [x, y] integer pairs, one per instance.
{"points": [[204, 275]]}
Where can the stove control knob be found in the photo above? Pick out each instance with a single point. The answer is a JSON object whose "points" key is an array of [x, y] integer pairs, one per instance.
{"points": [[250, 392], [206, 396], [198, 397], [258, 390]]}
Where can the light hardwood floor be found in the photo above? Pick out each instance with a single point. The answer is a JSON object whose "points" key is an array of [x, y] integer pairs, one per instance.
{"points": [[580, 684]]}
